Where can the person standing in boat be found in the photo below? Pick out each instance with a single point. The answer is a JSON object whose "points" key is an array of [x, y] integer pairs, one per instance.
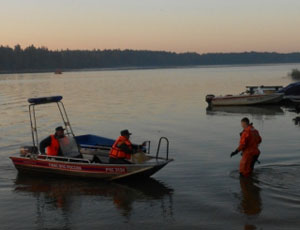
{"points": [[50, 145], [249, 142], [122, 149]]}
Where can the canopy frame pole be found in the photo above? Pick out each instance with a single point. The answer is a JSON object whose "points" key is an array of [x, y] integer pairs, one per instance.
{"points": [[33, 124], [65, 118]]}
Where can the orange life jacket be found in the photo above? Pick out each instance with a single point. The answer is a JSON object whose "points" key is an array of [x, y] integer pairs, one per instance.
{"points": [[116, 152], [53, 149]]}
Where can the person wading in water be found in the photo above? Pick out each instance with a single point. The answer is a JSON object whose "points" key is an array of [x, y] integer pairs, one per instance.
{"points": [[249, 142]]}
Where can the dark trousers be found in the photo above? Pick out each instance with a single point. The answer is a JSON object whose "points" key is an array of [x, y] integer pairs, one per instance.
{"points": [[118, 161], [254, 160]]}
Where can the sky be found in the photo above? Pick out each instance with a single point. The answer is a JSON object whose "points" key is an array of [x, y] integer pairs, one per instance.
{"points": [[202, 26]]}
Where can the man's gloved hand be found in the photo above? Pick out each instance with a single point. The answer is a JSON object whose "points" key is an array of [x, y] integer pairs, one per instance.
{"points": [[234, 153]]}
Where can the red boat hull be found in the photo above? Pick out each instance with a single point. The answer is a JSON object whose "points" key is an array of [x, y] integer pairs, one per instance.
{"points": [[86, 170]]}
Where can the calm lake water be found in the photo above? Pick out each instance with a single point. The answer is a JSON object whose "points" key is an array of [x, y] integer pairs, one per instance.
{"points": [[201, 189]]}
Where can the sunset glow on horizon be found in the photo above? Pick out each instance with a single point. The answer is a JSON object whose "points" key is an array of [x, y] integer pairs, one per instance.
{"points": [[181, 26]]}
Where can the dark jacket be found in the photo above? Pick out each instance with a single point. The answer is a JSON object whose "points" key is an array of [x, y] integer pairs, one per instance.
{"points": [[127, 150]]}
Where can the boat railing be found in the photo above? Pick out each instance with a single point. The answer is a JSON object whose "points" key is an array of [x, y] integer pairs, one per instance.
{"points": [[65, 159], [167, 147], [148, 144]]}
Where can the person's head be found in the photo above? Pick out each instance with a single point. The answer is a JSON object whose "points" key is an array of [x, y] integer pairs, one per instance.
{"points": [[245, 122], [125, 133], [60, 132]]}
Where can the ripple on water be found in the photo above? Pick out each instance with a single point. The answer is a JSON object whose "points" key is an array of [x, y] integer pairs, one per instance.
{"points": [[280, 182], [280, 178]]}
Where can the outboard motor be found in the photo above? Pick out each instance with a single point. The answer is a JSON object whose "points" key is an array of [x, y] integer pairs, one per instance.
{"points": [[26, 151], [209, 98]]}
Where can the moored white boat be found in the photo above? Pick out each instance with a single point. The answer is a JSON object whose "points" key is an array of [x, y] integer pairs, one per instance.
{"points": [[246, 99], [253, 96]]}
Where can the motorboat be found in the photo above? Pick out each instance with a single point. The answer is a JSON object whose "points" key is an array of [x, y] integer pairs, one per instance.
{"points": [[291, 92], [254, 95], [30, 159]]}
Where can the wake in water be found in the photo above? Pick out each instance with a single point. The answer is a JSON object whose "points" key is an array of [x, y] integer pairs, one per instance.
{"points": [[277, 181], [280, 179]]}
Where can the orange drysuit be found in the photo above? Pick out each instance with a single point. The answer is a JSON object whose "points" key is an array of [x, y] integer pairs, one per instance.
{"points": [[249, 142]]}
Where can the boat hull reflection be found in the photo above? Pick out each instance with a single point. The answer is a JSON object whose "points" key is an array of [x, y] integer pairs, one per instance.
{"points": [[256, 110], [61, 194]]}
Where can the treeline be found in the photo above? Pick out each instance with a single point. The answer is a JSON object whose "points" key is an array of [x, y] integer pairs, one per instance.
{"points": [[42, 59]]}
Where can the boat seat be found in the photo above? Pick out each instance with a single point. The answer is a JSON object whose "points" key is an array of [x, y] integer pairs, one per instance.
{"points": [[69, 147]]}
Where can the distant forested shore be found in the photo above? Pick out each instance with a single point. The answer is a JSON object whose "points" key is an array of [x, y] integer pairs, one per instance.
{"points": [[41, 59]]}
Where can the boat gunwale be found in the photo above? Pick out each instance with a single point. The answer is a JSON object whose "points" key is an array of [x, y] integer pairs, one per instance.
{"points": [[102, 171], [245, 96], [162, 161]]}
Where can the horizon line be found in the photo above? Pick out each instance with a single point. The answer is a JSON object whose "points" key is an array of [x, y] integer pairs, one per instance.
{"points": [[148, 50]]}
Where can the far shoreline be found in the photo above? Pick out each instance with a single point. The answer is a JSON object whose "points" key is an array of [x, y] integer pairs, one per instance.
{"points": [[143, 68]]}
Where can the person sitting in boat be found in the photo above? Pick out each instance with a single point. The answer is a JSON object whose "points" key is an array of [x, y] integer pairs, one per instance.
{"points": [[50, 145], [249, 142], [122, 149]]}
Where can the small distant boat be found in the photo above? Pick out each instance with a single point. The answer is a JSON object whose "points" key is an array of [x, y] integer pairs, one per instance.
{"points": [[58, 71], [254, 95]]}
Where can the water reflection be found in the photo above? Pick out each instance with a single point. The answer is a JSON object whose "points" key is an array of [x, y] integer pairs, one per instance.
{"points": [[61, 195], [250, 227], [253, 110], [250, 201], [296, 120], [294, 108]]}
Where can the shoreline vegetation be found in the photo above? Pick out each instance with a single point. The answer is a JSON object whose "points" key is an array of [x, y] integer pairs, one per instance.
{"points": [[295, 74], [40, 59]]}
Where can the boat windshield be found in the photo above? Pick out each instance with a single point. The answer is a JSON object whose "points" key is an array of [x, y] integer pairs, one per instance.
{"points": [[258, 91], [68, 146]]}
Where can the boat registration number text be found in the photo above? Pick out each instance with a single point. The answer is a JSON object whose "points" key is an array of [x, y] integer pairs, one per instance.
{"points": [[61, 166], [115, 170], [110, 170]]}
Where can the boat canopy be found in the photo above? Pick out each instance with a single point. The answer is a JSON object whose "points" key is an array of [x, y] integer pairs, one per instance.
{"points": [[44, 100], [93, 140], [291, 89]]}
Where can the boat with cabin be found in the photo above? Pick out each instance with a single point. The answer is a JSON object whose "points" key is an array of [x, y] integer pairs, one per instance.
{"points": [[30, 159]]}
